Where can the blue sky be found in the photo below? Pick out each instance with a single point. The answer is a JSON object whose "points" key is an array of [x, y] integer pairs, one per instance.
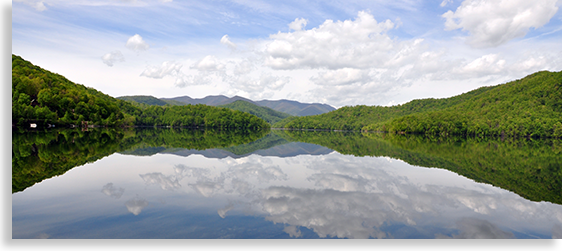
{"points": [[335, 52]]}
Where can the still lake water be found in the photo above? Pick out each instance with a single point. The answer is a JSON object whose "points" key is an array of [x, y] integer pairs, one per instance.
{"points": [[165, 183]]}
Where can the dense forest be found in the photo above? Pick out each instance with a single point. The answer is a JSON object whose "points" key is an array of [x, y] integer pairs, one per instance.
{"points": [[529, 107], [48, 99], [196, 116]]}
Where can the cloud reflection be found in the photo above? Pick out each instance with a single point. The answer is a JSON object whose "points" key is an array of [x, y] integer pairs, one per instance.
{"points": [[112, 192], [136, 205], [165, 182], [359, 197], [349, 197]]}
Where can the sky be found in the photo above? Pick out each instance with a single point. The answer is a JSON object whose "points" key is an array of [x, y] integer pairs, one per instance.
{"points": [[341, 53]]}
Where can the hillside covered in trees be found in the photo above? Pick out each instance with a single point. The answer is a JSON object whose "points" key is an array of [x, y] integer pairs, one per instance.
{"points": [[529, 107], [47, 99]]}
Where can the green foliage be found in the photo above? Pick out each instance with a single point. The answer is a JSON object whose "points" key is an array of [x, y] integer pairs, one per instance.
{"points": [[43, 97], [269, 115], [530, 107], [199, 116], [282, 123]]}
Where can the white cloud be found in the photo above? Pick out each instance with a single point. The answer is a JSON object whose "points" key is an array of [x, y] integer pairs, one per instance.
{"points": [[167, 68], [208, 70], [492, 23], [256, 87], [445, 2], [357, 44], [136, 43], [344, 76], [350, 62], [483, 66], [183, 80], [298, 24], [37, 5], [208, 64], [113, 57], [226, 41], [244, 67], [274, 82]]}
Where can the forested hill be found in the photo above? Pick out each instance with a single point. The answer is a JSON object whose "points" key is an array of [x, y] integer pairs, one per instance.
{"points": [[531, 106], [45, 99]]}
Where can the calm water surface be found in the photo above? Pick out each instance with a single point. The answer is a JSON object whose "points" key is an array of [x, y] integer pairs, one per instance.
{"points": [[147, 184]]}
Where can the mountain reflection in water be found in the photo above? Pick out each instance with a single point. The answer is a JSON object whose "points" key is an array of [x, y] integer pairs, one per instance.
{"points": [[278, 187]]}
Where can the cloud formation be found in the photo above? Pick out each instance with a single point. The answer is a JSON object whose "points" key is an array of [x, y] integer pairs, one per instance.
{"points": [[136, 43], [167, 68], [226, 41], [298, 24], [493, 23], [360, 43], [113, 57], [350, 62], [209, 64]]}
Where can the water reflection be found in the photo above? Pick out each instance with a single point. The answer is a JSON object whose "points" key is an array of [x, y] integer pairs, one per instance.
{"points": [[366, 198], [296, 190]]}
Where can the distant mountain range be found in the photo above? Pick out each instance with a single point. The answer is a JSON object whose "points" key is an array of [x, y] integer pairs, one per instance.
{"points": [[287, 106]]}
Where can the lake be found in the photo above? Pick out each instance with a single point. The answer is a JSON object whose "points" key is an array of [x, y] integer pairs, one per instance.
{"points": [[181, 183]]}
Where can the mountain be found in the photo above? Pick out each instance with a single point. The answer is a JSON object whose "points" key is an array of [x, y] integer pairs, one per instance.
{"points": [[287, 106], [150, 100], [296, 108], [529, 107], [209, 100], [269, 115]]}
